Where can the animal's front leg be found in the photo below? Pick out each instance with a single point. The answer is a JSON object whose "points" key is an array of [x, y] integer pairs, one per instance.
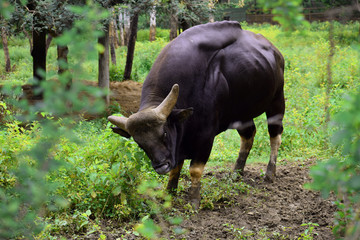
{"points": [[174, 178], [196, 171]]}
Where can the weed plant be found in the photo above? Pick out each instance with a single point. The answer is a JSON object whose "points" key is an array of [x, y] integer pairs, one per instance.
{"points": [[143, 34]]}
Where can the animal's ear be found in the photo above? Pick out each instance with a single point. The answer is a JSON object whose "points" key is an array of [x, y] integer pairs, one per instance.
{"points": [[180, 115], [121, 132]]}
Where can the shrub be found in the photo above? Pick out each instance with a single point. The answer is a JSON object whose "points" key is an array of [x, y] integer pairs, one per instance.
{"points": [[102, 175], [143, 35], [342, 175], [145, 55], [116, 74]]}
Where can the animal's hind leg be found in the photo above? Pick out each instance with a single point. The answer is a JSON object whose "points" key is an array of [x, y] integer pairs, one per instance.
{"points": [[247, 138], [274, 117], [275, 143]]}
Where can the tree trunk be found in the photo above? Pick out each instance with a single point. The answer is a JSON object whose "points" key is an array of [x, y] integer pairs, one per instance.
{"points": [[6, 50], [62, 52], [184, 25], [103, 78], [121, 28], [38, 52], [124, 26], [116, 35], [48, 42], [173, 24], [127, 23], [39, 60], [152, 36], [131, 46], [112, 42], [62, 58]]}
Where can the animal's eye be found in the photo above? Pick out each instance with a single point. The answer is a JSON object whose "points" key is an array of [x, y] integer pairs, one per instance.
{"points": [[165, 136]]}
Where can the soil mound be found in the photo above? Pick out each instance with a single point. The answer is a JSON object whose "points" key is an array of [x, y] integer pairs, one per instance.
{"points": [[127, 95]]}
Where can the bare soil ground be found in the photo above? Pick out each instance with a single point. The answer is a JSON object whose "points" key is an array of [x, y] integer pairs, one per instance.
{"points": [[268, 211], [127, 95]]}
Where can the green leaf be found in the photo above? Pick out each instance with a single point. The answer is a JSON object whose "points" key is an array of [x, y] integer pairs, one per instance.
{"points": [[175, 220], [116, 191], [148, 229]]}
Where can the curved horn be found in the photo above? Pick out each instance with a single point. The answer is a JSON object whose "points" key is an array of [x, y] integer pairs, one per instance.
{"points": [[118, 121], [167, 105]]}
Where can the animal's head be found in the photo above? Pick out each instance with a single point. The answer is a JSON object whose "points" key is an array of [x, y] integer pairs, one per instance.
{"points": [[155, 130]]}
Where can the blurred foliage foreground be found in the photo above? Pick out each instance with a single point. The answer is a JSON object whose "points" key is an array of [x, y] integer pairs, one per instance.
{"points": [[59, 174]]}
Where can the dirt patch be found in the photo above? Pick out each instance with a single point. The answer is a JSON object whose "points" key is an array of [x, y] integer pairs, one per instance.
{"points": [[267, 211], [274, 211], [127, 95]]}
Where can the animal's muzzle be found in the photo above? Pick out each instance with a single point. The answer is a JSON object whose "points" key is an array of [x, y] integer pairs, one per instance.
{"points": [[163, 169]]}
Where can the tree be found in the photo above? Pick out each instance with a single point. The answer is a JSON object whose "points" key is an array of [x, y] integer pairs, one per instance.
{"points": [[124, 25], [114, 41], [152, 24], [185, 13], [131, 46], [39, 49], [53, 17], [103, 80], [5, 46], [173, 20], [135, 9], [103, 76], [41, 18]]}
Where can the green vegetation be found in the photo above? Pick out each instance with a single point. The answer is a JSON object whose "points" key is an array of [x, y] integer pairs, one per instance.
{"points": [[145, 54], [96, 174]]}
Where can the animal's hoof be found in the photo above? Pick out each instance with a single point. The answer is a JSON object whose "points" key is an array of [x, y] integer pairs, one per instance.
{"points": [[195, 197]]}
